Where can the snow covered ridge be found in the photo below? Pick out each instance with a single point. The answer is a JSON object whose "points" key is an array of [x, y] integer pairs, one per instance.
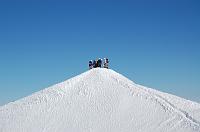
{"points": [[100, 100]]}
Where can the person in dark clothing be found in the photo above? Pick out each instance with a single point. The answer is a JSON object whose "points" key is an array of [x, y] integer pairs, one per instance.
{"points": [[90, 64], [94, 64], [99, 62]]}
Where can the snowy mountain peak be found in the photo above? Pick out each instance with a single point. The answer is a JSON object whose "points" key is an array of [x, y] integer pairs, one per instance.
{"points": [[100, 100]]}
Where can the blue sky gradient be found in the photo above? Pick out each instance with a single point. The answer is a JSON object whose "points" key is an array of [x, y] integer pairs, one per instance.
{"points": [[154, 43]]}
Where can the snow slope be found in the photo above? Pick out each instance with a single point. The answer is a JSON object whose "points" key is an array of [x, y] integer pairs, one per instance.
{"points": [[100, 100]]}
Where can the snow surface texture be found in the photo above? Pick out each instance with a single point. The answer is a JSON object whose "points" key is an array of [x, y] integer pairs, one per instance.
{"points": [[100, 100]]}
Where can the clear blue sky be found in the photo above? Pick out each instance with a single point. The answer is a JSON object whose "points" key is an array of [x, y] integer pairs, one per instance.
{"points": [[155, 43]]}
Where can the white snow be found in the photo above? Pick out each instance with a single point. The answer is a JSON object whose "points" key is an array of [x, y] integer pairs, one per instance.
{"points": [[100, 100]]}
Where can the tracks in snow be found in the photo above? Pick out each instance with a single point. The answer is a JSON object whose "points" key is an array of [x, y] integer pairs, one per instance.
{"points": [[167, 105]]}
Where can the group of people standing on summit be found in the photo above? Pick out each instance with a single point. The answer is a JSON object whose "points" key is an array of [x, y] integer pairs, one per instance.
{"points": [[98, 63]]}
